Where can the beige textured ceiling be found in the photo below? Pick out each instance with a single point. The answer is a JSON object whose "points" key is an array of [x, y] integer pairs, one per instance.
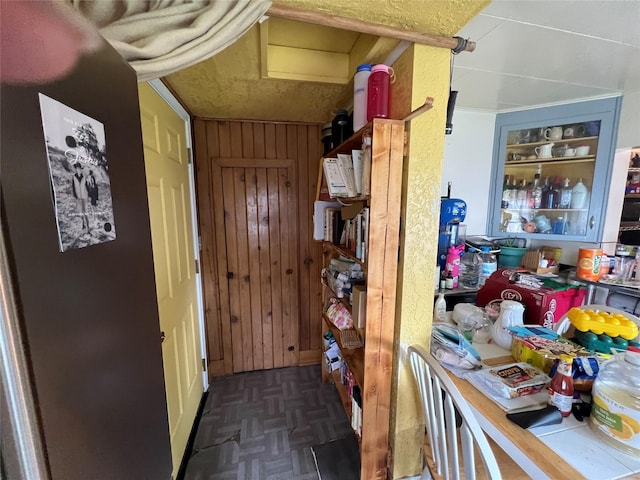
{"points": [[229, 85]]}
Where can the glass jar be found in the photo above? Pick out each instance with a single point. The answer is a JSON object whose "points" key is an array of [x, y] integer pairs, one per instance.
{"points": [[615, 416]]}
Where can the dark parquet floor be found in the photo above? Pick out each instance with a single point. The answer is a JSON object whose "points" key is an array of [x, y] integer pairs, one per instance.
{"points": [[261, 426]]}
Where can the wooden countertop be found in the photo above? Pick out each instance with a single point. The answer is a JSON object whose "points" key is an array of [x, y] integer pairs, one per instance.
{"points": [[531, 446]]}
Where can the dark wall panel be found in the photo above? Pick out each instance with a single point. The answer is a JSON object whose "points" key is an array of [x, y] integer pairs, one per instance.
{"points": [[90, 315]]}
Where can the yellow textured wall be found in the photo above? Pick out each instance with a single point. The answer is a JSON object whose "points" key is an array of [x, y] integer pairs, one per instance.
{"points": [[229, 84], [443, 17], [422, 71]]}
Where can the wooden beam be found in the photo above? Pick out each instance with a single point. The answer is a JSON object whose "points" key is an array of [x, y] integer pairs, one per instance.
{"points": [[356, 25]]}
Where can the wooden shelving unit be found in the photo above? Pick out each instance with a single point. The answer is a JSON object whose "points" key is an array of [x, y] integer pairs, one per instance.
{"points": [[372, 364]]}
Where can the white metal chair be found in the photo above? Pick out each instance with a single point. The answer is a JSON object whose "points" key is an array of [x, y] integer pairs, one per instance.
{"points": [[452, 446]]}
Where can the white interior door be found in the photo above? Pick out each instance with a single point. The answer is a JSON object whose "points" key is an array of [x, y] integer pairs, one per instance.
{"points": [[169, 190]]}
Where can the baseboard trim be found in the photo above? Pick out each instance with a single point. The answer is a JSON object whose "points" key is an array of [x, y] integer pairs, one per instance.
{"points": [[310, 357]]}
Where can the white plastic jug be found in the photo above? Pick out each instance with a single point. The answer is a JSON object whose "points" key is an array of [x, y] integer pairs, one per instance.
{"points": [[511, 315]]}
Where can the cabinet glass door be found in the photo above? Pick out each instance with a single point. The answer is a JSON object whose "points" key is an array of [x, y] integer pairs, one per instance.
{"points": [[548, 179], [552, 174]]}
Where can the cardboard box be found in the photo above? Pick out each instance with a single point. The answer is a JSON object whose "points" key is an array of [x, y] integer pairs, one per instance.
{"points": [[543, 306], [359, 307], [531, 260]]}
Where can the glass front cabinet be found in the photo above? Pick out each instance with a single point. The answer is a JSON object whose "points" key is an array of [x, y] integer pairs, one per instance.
{"points": [[552, 169]]}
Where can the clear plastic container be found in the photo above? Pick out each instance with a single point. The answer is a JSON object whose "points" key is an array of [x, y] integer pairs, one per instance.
{"points": [[470, 269], [489, 264], [615, 416]]}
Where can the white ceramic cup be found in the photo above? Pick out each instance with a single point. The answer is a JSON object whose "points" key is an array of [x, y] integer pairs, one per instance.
{"points": [[582, 150], [570, 152], [553, 133]]}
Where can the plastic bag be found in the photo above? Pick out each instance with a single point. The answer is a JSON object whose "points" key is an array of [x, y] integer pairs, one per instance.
{"points": [[450, 347]]}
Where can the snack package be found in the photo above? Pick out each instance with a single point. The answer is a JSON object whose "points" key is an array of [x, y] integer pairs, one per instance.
{"points": [[514, 379], [542, 352]]}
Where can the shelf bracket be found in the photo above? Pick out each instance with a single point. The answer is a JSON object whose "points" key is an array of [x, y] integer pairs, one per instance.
{"points": [[428, 105]]}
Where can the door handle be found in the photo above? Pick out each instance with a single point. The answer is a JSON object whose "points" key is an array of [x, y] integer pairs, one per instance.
{"points": [[592, 222]]}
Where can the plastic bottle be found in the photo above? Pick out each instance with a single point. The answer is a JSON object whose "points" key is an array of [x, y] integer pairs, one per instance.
{"points": [[448, 281], [440, 309], [360, 87], [549, 195], [615, 416], [489, 264], [561, 387], [537, 188], [605, 264], [565, 195], [470, 269], [506, 192], [560, 226], [379, 92], [579, 195], [521, 195], [452, 265]]}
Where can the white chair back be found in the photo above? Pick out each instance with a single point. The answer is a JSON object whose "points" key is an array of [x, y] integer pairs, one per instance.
{"points": [[452, 428]]}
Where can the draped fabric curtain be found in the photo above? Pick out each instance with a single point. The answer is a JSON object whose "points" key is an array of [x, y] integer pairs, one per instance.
{"points": [[159, 37]]}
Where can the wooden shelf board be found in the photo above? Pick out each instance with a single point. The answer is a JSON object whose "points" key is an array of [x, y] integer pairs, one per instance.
{"points": [[354, 357], [562, 140], [554, 160], [329, 246], [342, 392], [559, 210]]}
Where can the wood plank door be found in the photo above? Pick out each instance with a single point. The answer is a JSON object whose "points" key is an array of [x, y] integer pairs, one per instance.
{"points": [[227, 144], [255, 212], [167, 169]]}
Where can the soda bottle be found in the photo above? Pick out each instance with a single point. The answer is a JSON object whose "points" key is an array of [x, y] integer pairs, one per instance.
{"points": [[561, 387]]}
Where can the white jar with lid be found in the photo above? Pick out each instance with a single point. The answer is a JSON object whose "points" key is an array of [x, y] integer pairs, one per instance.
{"points": [[615, 416]]}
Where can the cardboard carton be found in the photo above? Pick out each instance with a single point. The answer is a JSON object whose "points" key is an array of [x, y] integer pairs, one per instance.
{"points": [[543, 306]]}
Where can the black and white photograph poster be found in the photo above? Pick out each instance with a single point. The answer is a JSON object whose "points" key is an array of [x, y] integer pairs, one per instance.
{"points": [[76, 151]]}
